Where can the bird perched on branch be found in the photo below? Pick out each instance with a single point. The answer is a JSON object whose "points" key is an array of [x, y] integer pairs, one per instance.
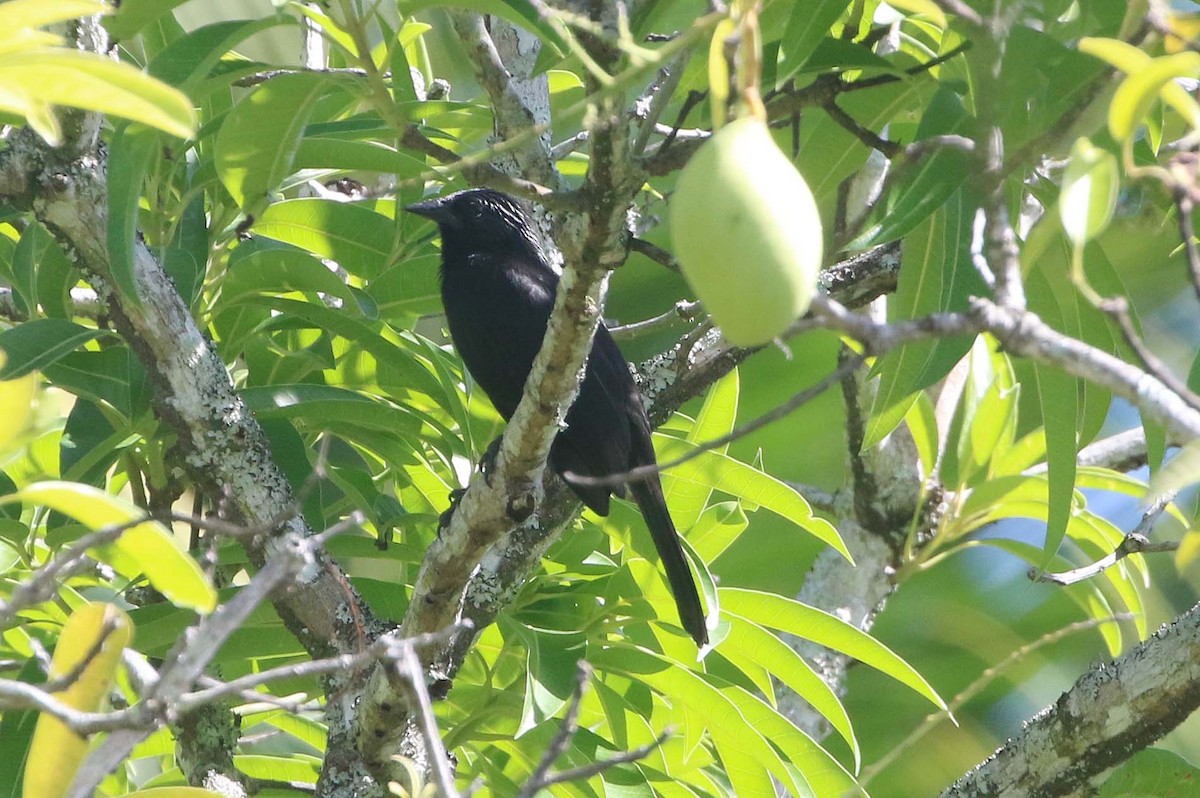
{"points": [[498, 291]]}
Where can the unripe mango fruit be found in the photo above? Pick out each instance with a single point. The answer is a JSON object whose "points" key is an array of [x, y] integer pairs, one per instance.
{"points": [[100, 631], [746, 232]]}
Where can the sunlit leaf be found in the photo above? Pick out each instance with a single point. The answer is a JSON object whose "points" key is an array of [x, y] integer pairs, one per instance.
{"points": [[144, 548], [259, 139], [38, 343], [793, 617], [1138, 91], [56, 76]]}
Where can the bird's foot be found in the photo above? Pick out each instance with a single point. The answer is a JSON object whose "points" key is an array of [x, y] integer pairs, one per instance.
{"points": [[487, 463], [444, 519]]}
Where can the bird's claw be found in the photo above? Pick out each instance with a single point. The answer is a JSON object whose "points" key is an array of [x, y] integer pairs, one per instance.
{"points": [[444, 519], [487, 462]]}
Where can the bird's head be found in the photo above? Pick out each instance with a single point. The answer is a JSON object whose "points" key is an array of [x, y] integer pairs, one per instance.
{"points": [[480, 221]]}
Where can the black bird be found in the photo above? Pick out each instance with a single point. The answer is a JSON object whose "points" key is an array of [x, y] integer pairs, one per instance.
{"points": [[498, 291]]}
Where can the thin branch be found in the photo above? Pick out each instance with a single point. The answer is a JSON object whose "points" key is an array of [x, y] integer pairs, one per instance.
{"points": [[1136, 542], [868, 137], [45, 582], [683, 310], [542, 776], [976, 687], [270, 74], [655, 253], [1117, 309], [196, 648], [587, 771], [800, 399], [562, 738], [412, 673], [1187, 233], [1113, 709], [961, 9]]}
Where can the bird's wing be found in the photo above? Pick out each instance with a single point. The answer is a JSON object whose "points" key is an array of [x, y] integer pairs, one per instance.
{"points": [[597, 440], [497, 309]]}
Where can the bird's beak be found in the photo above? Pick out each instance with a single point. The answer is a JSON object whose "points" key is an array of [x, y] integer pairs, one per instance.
{"points": [[436, 209]]}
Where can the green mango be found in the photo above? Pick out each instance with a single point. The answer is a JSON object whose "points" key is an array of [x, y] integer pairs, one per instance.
{"points": [[746, 232]]}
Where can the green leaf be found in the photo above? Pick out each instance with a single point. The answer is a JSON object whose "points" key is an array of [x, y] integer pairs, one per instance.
{"points": [[56, 76], [716, 418], [988, 407], [26, 259], [749, 644], [806, 29], [185, 258], [128, 159], [16, 407], [259, 138], [925, 8], [358, 238], [551, 672], [835, 54], [112, 375], [1180, 471], [1153, 772], [716, 529], [722, 473], [1137, 92], [1129, 59], [793, 617], [924, 185], [1085, 594], [1060, 412], [133, 15], [22, 15], [297, 768], [280, 270], [1089, 192], [518, 12], [37, 344], [365, 156], [188, 60], [748, 757], [144, 548], [1098, 538], [408, 290], [936, 275]]}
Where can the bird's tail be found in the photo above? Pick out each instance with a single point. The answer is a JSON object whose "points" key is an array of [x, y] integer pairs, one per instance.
{"points": [[649, 497]]}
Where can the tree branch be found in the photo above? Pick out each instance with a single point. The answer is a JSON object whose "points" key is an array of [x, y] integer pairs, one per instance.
{"points": [[1114, 709]]}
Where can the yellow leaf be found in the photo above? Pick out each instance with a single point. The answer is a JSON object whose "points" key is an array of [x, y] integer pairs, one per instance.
{"points": [[16, 405], [1139, 90], [89, 648], [924, 8]]}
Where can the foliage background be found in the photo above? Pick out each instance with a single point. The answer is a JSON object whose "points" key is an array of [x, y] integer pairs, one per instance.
{"points": [[356, 357]]}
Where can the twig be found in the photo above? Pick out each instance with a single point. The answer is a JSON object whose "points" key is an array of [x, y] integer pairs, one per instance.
{"points": [[562, 738], [1135, 542], [413, 675], [542, 777], [1117, 308], [655, 253], [1187, 232], [961, 9], [803, 397], [190, 656], [587, 771], [60, 683], [270, 74], [44, 583], [818, 498], [868, 137], [976, 687], [682, 310]]}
